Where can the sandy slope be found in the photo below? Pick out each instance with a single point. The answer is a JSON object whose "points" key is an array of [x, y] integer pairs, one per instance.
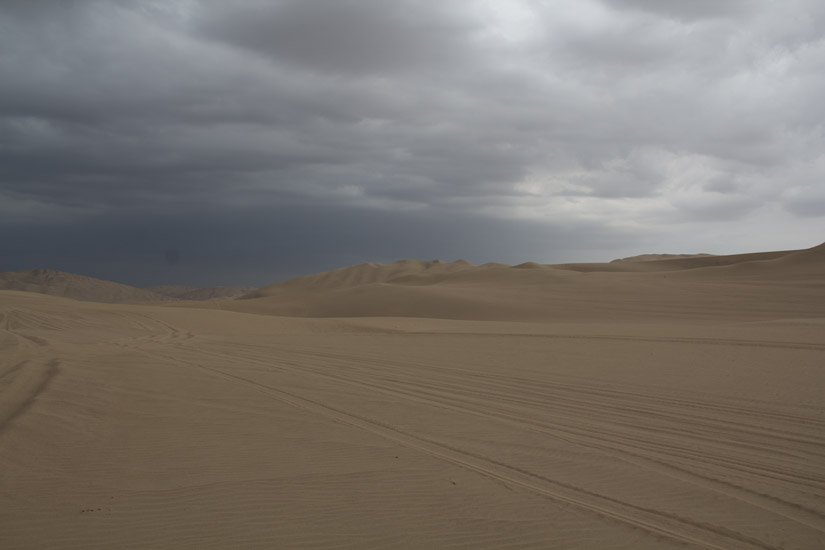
{"points": [[742, 287], [363, 274], [77, 287], [667, 408], [652, 257], [89, 289]]}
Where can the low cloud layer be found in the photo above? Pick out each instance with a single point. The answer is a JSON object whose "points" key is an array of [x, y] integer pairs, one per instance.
{"points": [[279, 137]]}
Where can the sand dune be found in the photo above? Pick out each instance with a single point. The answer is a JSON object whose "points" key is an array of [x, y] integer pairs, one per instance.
{"points": [[700, 287], [456, 406], [653, 257], [369, 273], [77, 287], [89, 289]]}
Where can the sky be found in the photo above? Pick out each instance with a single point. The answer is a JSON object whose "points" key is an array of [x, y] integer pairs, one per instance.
{"points": [[210, 142]]}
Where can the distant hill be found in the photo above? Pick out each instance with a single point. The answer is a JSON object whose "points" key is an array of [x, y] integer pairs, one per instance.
{"points": [[78, 287], [655, 257], [180, 292], [753, 286], [362, 274], [89, 289]]}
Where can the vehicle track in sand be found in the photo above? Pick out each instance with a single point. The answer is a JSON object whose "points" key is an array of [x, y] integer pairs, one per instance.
{"points": [[760, 453], [674, 457]]}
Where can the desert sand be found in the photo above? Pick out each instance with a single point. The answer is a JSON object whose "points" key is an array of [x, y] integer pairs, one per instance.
{"points": [[90, 289], [77, 287], [666, 403]]}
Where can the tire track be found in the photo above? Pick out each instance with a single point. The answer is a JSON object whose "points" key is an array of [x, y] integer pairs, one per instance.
{"points": [[642, 452], [366, 374], [652, 521], [28, 380], [576, 401]]}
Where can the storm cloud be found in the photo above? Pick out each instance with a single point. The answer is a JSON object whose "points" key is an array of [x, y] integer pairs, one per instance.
{"points": [[263, 139]]}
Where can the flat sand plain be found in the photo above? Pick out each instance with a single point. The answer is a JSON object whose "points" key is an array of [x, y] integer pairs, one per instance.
{"points": [[443, 407]]}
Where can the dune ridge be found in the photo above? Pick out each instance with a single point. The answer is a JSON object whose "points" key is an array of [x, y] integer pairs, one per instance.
{"points": [[367, 273], [652, 257], [90, 289], [756, 286], [77, 287]]}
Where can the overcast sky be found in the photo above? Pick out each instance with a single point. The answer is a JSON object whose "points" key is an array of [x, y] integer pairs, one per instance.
{"points": [[243, 142]]}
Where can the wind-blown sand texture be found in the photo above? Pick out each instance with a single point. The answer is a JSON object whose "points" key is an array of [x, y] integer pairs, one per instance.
{"points": [[628, 405]]}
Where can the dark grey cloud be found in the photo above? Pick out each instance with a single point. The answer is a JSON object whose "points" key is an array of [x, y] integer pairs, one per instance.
{"points": [[684, 121], [276, 243], [344, 36]]}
